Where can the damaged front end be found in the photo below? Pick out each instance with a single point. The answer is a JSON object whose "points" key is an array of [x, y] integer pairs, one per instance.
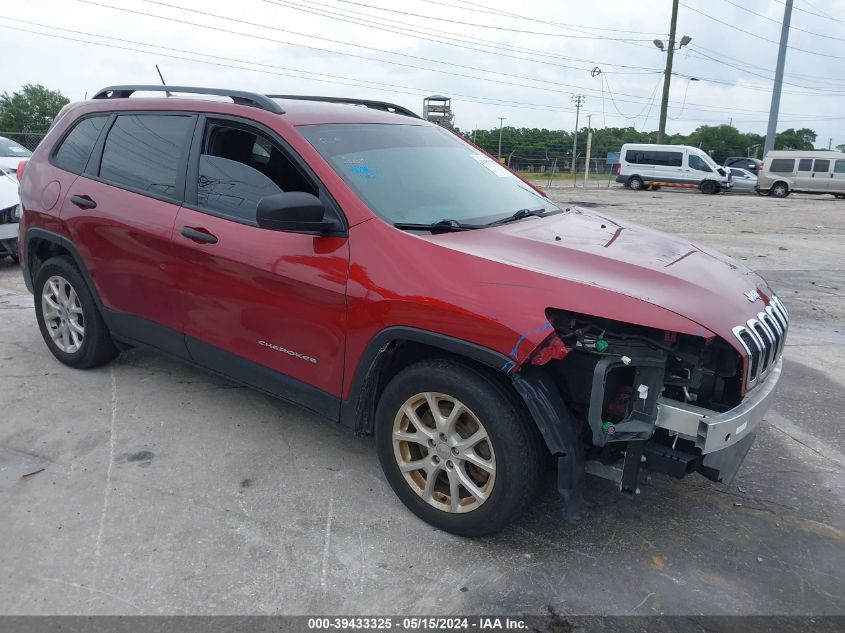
{"points": [[646, 400]]}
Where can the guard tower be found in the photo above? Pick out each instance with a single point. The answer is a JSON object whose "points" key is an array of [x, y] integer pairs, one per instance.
{"points": [[438, 109]]}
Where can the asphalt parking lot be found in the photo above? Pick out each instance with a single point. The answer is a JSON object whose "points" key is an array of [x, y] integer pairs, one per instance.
{"points": [[160, 489]]}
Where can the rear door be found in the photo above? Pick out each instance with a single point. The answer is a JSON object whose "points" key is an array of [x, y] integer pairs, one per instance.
{"points": [[266, 307], [120, 213]]}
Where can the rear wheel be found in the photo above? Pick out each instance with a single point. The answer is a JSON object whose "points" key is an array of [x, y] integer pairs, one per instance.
{"points": [[68, 318], [710, 187], [457, 448], [839, 196], [780, 190], [636, 183]]}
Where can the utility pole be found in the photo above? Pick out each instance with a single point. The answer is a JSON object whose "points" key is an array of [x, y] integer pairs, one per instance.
{"points": [[667, 79], [578, 100], [772, 131], [501, 121], [589, 148]]}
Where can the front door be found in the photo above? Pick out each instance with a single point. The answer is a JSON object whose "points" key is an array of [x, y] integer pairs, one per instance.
{"points": [[264, 306]]}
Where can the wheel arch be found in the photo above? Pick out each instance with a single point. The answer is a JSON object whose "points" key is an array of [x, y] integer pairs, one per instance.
{"points": [[41, 245], [395, 348]]}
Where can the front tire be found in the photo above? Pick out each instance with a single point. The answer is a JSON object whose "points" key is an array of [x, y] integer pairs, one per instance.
{"points": [[710, 187], [68, 317], [457, 447], [780, 190]]}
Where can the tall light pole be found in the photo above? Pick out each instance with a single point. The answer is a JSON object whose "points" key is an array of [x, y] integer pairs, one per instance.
{"points": [[667, 77], [771, 132], [578, 100], [501, 121]]}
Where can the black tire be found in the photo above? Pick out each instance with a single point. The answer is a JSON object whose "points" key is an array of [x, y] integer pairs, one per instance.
{"points": [[710, 187], [763, 192], [655, 187], [839, 196], [514, 442], [635, 183], [97, 347], [779, 190]]}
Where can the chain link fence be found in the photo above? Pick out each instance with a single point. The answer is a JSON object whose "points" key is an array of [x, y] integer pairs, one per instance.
{"points": [[29, 140], [555, 168]]}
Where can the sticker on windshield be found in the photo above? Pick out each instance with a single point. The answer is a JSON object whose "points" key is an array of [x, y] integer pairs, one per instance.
{"points": [[492, 165]]}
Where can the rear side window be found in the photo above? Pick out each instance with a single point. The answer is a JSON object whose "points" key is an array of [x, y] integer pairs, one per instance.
{"points": [[839, 168], [783, 165], [143, 152], [654, 157], [821, 166], [805, 164], [75, 150]]}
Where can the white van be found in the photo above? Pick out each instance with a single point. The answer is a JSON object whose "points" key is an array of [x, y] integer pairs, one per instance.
{"points": [[644, 165], [818, 171]]}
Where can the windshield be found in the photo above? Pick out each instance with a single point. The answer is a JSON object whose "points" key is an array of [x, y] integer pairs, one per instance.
{"points": [[422, 174], [10, 148]]}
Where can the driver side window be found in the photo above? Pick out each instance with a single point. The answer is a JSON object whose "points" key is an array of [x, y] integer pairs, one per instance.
{"points": [[238, 166], [697, 163]]}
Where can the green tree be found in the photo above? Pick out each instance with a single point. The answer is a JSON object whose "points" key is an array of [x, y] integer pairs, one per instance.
{"points": [[841, 148], [30, 110], [803, 139]]}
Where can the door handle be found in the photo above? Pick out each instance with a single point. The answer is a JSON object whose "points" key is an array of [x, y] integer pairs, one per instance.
{"points": [[83, 202], [200, 236]]}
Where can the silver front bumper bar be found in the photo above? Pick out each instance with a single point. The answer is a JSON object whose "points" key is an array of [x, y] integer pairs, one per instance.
{"points": [[712, 431]]}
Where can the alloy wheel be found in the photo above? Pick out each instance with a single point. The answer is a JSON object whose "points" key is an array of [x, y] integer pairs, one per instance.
{"points": [[444, 452], [62, 313]]}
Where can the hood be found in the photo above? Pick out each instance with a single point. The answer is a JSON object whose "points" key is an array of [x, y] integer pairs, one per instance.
{"points": [[8, 191], [596, 251]]}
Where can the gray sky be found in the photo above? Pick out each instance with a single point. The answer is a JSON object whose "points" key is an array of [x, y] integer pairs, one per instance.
{"points": [[524, 68]]}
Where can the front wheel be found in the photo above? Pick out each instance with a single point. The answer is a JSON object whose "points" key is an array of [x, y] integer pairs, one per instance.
{"points": [[780, 190], [457, 447], [710, 187], [68, 317]]}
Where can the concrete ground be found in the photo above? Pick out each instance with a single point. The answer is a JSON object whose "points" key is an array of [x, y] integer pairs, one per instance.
{"points": [[160, 489]]}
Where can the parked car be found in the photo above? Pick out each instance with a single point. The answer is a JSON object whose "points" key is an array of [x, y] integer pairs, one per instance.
{"points": [[645, 165], [387, 274], [819, 171], [10, 213], [11, 154], [743, 180], [750, 164]]}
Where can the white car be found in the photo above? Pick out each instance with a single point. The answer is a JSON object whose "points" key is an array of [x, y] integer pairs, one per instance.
{"points": [[11, 154], [10, 215], [744, 181]]}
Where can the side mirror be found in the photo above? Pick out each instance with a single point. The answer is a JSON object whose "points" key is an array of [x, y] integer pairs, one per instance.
{"points": [[295, 211]]}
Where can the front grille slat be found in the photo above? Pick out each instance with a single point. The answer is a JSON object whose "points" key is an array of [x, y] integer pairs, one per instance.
{"points": [[764, 338]]}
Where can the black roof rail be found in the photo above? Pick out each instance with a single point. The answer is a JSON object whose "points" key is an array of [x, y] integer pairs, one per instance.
{"points": [[238, 96], [376, 105]]}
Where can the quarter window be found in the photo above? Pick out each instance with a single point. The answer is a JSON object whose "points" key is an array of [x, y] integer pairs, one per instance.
{"points": [[822, 166], [782, 165], [72, 155], [839, 167], [238, 167], [143, 152], [805, 164], [697, 163]]}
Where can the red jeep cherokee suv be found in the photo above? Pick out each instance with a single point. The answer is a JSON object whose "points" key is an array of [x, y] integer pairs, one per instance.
{"points": [[382, 271]]}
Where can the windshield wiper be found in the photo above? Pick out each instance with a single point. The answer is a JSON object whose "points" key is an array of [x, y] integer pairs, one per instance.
{"points": [[441, 226], [519, 215]]}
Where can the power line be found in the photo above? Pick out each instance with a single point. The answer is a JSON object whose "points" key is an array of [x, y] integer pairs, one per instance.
{"points": [[699, 107], [821, 14], [778, 22], [488, 26], [759, 37], [492, 11]]}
